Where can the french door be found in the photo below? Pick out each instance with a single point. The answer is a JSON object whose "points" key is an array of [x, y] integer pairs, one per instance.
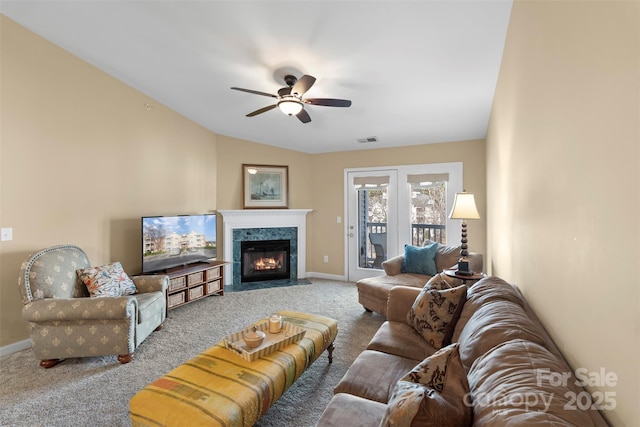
{"points": [[372, 220], [389, 207]]}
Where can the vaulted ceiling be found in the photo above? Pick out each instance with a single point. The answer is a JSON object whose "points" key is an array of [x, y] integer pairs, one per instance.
{"points": [[417, 72]]}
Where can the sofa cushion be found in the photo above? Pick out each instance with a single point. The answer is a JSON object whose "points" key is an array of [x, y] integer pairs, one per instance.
{"points": [[492, 324], [381, 285], [373, 375], [393, 266], [493, 288], [402, 340], [437, 397], [483, 291], [149, 305], [107, 281], [345, 409], [447, 257], [420, 260], [373, 292], [435, 312], [510, 385]]}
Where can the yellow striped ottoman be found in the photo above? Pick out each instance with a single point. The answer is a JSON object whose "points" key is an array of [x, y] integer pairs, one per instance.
{"points": [[220, 388]]}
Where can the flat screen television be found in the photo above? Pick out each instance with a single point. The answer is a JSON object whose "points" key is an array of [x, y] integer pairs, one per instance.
{"points": [[180, 240]]}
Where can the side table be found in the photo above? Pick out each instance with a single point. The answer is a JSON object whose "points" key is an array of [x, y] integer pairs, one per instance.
{"points": [[464, 277]]}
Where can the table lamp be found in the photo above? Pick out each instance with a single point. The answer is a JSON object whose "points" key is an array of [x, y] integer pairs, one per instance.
{"points": [[464, 208]]}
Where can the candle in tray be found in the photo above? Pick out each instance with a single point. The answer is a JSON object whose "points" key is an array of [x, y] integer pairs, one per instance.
{"points": [[275, 323]]}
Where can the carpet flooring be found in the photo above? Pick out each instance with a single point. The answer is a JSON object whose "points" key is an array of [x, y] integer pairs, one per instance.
{"points": [[96, 391]]}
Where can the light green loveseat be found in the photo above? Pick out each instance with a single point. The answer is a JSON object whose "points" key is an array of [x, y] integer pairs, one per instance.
{"points": [[65, 322]]}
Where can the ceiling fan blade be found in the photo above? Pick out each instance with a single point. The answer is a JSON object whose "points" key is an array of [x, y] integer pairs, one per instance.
{"points": [[303, 84], [328, 102], [303, 116], [262, 110], [256, 92]]}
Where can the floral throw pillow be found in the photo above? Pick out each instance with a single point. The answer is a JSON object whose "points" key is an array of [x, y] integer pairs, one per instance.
{"points": [[107, 281], [435, 312], [434, 393]]}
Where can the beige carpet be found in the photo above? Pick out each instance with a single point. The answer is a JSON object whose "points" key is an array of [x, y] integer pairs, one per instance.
{"points": [[96, 391]]}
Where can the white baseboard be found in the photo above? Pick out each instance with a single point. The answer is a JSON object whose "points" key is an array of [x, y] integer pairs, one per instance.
{"points": [[311, 275], [15, 347]]}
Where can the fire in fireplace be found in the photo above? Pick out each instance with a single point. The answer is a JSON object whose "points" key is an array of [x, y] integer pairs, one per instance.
{"points": [[264, 260]]}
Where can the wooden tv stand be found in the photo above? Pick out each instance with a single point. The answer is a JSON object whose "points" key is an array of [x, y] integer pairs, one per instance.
{"points": [[194, 281]]}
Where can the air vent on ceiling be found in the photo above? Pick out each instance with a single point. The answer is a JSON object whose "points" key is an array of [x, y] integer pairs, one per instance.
{"points": [[368, 139]]}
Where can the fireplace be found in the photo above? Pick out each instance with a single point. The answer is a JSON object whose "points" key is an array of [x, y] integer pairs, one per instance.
{"points": [[265, 260], [263, 224]]}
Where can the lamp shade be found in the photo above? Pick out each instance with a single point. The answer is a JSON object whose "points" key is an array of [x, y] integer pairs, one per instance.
{"points": [[290, 106], [464, 207]]}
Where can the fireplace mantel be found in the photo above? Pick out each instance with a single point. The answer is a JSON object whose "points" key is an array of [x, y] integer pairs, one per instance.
{"points": [[264, 218]]}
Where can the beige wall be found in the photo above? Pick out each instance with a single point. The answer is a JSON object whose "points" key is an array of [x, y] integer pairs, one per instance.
{"points": [[82, 160], [233, 152], [563, 183], [316, 182]]}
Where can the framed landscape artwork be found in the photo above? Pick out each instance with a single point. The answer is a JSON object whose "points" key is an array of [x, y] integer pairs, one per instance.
{"points": [[265, 187]]}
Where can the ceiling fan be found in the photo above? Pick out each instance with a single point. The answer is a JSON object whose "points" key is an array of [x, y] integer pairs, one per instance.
{"points": [[290, 100]]}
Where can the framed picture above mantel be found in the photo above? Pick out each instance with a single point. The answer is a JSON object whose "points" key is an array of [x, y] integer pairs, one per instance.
{"points": [[265, 187]]}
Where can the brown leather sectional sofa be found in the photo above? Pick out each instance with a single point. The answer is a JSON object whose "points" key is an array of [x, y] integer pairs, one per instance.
{"points": [[512, 367], [374, 291]]}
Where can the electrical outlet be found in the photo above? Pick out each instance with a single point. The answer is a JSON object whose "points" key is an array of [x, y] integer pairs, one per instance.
{"points": [[6, 234], [326, 258]]}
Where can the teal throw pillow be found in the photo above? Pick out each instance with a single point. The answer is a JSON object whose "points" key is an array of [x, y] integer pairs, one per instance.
{"points": [[420, 260]]}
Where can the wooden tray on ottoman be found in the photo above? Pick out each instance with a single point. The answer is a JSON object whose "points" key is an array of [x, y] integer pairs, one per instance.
{"points": [[289, 334]]}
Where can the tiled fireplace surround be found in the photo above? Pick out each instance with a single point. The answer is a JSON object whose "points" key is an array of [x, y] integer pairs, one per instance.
{"points": [[264, 224]]}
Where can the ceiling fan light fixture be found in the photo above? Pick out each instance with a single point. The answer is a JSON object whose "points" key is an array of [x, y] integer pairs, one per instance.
{"points": [[290, 106], [290, 99]]}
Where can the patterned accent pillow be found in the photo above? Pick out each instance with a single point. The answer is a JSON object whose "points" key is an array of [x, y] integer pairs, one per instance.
{"points": [[404, 404], [432, 371], [435, 312], [440, 282], [419, 260], [439, 396], [107, 281]]}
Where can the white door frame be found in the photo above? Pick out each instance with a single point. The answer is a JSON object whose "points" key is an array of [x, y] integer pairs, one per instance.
{"points": [[353, 271], [397, 235]]}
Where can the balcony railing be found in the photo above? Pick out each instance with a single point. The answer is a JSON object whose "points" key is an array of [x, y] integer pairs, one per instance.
{"points": [[422, 232], [419, 233]]}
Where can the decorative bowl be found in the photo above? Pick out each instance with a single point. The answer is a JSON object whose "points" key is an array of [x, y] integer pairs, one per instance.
{"points": [[254, 338]]}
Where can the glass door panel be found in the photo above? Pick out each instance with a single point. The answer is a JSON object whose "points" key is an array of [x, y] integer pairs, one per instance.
{"points": [[370, 221], [372, 226], [428, 212]]}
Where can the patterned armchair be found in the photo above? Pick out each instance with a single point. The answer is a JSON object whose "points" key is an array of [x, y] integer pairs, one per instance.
{"points": [[65, 322]]}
